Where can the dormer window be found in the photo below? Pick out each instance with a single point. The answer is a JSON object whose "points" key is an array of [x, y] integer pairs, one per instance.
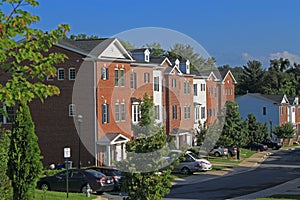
{"points": [[187, 63], [147, 55], [177, 62]]}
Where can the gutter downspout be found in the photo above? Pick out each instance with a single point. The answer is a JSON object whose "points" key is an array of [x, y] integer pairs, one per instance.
{"points": [[95, 110]]}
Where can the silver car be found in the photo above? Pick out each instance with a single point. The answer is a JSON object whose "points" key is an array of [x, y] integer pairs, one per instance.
{"points": [[190, 163]]}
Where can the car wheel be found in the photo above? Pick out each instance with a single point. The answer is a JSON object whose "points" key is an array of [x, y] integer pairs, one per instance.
{"points": [[45, 186], [83, 189], [217, 154], [185, 171]]}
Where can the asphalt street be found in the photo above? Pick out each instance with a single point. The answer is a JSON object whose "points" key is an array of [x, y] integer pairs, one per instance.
{"points": [[280, 167]]}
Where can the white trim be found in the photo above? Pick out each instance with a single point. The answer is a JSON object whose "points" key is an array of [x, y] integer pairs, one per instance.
{"points": [[69, 72]]}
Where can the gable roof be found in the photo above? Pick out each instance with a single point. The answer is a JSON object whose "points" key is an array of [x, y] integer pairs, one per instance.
{"points": [[93, 47], [275, 98]]}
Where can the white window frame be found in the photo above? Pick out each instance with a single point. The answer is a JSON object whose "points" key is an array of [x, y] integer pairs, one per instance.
{"points": [[156, 83], [59, 75], [123, 112], [71, 73], [146, 77], [72, 110], [136, 113], [117, 112]]}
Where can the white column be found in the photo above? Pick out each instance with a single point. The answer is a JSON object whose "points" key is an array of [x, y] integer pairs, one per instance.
{"points": [[108, 152]]}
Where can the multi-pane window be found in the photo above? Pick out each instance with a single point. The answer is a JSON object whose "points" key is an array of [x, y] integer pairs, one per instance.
{"points": [[133, 80], [136, 113], [187, 87], [117, 112], [203, 112], [197, 114], [202, 87], [105, 113], [122, 77], [146, 77], [173, 83], [9, 117], [104, 73], [61, 74], [123, 112], [156, 110], [156, 83], [174, 112], [71, 110], [195, 90], [116, 74], [72, 73], [50, 78], [187, 112]]}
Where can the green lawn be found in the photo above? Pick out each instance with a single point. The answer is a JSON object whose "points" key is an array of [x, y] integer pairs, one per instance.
{"points": [[50, 195], [244, 153]]}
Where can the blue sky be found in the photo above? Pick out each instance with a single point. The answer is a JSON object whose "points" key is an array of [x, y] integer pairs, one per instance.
{"points": [[232, 31]]}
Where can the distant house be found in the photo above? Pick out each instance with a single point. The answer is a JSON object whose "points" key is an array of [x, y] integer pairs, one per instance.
{"points": [[271, 109]]}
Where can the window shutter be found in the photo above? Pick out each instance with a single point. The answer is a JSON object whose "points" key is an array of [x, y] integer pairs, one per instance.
{"points": [[103, 109], [107, 73], [108, 117]]}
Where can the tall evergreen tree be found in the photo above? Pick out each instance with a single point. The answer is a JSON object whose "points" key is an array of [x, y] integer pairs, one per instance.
{"points": [[233, 133], [5, 184], [257, 132], [251, 78], [24, 155]]}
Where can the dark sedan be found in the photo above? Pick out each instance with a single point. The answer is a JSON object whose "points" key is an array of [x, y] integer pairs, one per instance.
{"points": [[257, 147], [110, 171], [272, 144], [78, 181]]}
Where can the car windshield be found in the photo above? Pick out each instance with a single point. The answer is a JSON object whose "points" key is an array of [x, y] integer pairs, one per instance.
{"points": [[195, 156], [95, 173]]}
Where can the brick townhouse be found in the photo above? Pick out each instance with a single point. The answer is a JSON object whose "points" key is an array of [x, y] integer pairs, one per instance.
{"points": [[101, 84]]}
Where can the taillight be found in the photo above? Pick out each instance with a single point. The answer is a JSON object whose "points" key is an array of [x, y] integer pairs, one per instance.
{"points": [[101, 181]]}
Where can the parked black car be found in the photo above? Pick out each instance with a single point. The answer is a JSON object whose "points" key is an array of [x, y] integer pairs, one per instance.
{"points": [[257, 146], [272, 144], [78, 181], [113, 172]]}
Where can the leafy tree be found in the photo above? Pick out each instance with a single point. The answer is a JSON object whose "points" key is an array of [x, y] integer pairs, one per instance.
{"points": [[278, 80], [257, 132], [24, 155], [146, 125], [142, 180], [251, 78], [127, 44], [182, 51], [5, 185], [83, 36], [284, 131], [232, 133], [155, 49], [201, 132], [27, 62], [24, 66]]}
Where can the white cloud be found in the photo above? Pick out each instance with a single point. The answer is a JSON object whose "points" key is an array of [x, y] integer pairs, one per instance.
{"points": [[291, 57], [246, 56]]}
